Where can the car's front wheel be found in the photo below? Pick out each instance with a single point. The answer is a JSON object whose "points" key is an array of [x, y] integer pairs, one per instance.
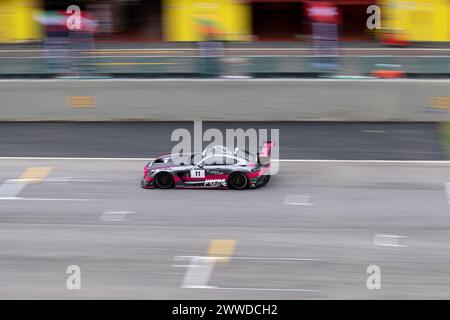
{"points": [[237, 181], [266, 179], [164, 180]]}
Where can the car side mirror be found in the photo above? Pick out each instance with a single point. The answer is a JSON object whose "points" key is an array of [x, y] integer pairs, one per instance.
{"points": [[200, 165]]}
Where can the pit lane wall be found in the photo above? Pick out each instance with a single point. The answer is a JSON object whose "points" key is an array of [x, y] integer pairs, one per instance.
{"points": [[225, 99]]}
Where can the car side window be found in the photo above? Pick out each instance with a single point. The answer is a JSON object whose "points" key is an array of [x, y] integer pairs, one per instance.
{"points": [[214, 160], [223, 160], [231, 160]]}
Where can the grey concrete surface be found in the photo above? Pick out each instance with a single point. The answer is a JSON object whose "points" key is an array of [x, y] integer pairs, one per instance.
{"points": [[225, 100], [344, 206], [305, 140]]}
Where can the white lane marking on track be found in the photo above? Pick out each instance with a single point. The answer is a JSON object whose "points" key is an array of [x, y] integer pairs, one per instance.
{"points": [[200, 269], [257, 289], [185, 266], [447, 189], [198, 272], [115, 215], [11, 188], [262, 258], [445, 162], [298, 200], [64, 180], [46, 199], [388, 240], [74, 179]]}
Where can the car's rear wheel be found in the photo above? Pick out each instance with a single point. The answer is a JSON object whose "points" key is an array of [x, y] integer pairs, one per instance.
{"points": [[237, 181], [164, 180], [266, 179]]}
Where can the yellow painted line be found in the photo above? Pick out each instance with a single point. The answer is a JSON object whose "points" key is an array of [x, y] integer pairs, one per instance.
{"points": [[221, 248], [35, 174], [132, 63], [81, 101], [441, 102]]}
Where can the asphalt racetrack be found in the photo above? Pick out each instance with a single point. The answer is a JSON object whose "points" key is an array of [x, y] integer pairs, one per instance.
{"points": [[311, 233], [308, 140]]}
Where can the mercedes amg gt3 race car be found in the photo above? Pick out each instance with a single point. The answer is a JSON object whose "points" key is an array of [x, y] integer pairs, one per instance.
{"points": [[219, 168]]}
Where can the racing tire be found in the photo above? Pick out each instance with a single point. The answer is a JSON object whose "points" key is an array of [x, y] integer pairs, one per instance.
{"points": [[164, 180], [266, 179], [237, 181]]}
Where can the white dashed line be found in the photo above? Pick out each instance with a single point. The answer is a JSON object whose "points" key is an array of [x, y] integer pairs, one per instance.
{"points": [[115, 215], [298, 200], [198, 272], [10, 188], [387, 240], [200, 269]]}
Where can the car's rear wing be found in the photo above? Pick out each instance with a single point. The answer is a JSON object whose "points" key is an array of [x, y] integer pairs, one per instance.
{"points": [[265, 154]]}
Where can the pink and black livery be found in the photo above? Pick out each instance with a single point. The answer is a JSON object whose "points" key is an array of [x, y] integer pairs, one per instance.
{"points": [[215, 168]]}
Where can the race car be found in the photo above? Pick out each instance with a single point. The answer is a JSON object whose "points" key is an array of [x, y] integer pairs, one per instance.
{"points": [[218, 168]]}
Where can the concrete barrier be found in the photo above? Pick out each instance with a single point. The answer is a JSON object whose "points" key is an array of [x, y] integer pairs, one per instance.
{"points": [[247, 100]]}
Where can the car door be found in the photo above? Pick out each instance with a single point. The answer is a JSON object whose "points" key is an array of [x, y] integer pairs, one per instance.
{"points": [[216, 172], [192, 174], [201, 174]]}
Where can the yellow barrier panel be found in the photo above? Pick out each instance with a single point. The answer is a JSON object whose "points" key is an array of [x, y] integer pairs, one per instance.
{"points": [[417, 20], [191, 20], [17, 23]]}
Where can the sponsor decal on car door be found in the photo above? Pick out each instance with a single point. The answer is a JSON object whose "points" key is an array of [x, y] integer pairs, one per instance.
{"points": [[215, 172]]}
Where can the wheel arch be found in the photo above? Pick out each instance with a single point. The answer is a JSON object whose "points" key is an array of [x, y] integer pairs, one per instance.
{"points": [[155, 177], [240, 172]]}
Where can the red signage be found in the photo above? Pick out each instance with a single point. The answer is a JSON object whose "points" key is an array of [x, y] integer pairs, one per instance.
{"points": [[322, 11]]}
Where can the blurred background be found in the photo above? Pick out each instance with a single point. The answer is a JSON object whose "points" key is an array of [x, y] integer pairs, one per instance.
{"points": [[229, 38]]}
